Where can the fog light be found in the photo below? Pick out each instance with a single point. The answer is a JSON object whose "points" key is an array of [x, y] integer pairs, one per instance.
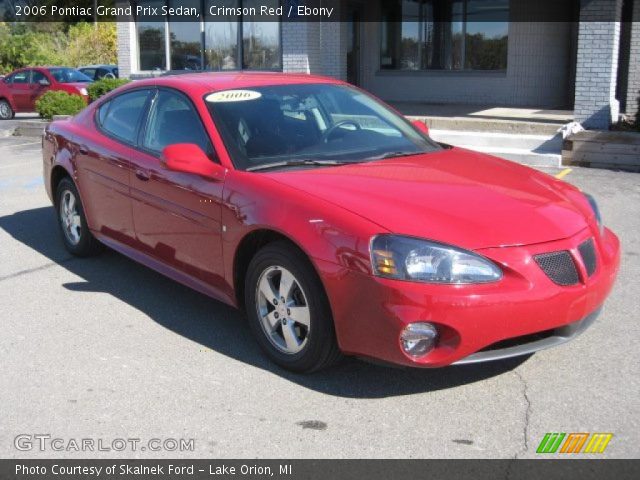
{"points": [[418, 339]]}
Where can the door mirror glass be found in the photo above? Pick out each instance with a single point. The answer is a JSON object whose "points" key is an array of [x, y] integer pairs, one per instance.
{"points": [[190, 158], [44, 82], [421, 126]]}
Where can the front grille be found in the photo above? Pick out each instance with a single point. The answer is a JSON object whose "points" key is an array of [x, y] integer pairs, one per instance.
{"points": [[588, 253], [559, 267]]}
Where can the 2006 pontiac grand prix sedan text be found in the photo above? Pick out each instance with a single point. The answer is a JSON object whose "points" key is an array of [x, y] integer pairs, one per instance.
{"points": [[338, 226]]}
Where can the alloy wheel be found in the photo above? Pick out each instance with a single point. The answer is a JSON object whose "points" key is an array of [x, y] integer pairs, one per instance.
{"points": [[70, 217], [5, 110], [283, 310]]}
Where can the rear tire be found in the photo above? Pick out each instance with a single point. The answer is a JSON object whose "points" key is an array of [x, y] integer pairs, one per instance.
{"points": [[77, 237], [297, 334], [6, 112]]}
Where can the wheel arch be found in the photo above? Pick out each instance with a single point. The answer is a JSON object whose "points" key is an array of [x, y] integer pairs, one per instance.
{"points": [[57, 174], [247, 248]]}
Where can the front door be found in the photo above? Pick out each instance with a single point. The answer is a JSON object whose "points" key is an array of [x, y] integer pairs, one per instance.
{"points": [[354, 27], [177, 216], [20, 91]]}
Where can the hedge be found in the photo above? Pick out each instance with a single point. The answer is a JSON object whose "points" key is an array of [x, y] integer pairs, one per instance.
{"points": [[103, 86], [55, 102]]}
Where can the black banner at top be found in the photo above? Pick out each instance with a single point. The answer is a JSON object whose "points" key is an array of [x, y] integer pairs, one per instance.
{"points": [[480, 11]]}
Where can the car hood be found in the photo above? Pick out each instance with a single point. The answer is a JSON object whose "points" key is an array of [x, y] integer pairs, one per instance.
{"points": [[453, 196]]}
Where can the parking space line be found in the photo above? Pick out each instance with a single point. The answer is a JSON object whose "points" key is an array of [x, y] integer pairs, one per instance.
{"points": [[22, 144], [563, 173]]}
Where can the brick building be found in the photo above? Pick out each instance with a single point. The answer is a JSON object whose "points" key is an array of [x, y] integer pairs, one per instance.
{"points": [[476, 55]]}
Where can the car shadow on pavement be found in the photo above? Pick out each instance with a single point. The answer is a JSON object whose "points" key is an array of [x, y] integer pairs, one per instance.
{"points": [[222, 328]]}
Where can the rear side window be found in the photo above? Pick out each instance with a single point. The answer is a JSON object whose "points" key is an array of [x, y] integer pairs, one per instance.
{"points": [[120, 117], [37, 77], [89, 72], [173, 120]]}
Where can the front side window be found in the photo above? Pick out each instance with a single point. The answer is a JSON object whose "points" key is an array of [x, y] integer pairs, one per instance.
{"points": [[444, 35], [120, 117], [18, 78], [173, 120], [317, 122]]}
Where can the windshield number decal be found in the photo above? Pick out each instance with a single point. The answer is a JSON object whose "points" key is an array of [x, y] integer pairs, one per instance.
{"points": [[233, 96]]}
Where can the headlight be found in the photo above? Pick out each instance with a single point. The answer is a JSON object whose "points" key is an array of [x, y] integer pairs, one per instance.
{"points": [[408, 258], [596, 211], [83, 91]]}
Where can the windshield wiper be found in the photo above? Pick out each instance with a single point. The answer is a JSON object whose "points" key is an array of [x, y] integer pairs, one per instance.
{"points": [[295, 163], [393, 155]]}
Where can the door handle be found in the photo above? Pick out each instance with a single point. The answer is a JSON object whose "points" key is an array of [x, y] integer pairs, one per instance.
{"points": [[83, 150], [142, 175]]}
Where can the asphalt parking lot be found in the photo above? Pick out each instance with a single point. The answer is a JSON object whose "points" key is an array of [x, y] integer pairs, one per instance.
{"points": [[104, 348]]}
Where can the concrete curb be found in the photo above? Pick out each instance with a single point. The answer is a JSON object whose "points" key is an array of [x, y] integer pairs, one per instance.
{"points": [[488, 125]]}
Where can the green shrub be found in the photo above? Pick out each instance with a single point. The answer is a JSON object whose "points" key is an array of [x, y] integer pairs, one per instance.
{"points": [[56, 102], [104, 85]]}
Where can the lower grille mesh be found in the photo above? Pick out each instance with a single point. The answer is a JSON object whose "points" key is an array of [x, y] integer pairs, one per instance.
{"points": [[588, 253], [559, 267]]}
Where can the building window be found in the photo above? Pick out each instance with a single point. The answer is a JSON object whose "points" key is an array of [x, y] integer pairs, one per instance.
{"points": [[224, 43], [151, 39], [444, 35]]}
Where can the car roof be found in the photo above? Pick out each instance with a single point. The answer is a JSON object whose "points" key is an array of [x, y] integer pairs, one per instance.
{"points": [[202, 83], [101, 65]]}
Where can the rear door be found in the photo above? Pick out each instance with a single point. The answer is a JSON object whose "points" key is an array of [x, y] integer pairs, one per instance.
{"points": [[105, 159], [177, 216], [36, 87]]}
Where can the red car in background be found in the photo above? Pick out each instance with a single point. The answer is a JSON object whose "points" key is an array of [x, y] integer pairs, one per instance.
{"points": [[336, 224], [20, 89]]}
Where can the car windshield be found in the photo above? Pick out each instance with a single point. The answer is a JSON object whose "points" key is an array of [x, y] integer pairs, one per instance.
{"points": [[68, 75], [310, 125]]}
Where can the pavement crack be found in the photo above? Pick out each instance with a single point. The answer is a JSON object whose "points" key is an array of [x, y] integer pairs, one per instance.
{"points": [[36, 269], [527, 415]]}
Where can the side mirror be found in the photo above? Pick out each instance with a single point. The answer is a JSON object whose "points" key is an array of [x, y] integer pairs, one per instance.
{"points": [[421, 126], [44, 82], [189, 158]]}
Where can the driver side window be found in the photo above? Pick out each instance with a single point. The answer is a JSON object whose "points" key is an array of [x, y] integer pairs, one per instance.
{"points": [[174, 120]]}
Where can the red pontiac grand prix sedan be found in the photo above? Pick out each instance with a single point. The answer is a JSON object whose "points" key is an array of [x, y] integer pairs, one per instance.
{"points": [[337, 225], [20, 89]]}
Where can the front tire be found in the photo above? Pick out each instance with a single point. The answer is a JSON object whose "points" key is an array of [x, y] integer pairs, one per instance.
{"points": [[6, 112], [288, 310], [76, 235]]}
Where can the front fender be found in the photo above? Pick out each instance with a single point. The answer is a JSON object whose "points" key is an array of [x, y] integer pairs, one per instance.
{"points": [[326, 233]]}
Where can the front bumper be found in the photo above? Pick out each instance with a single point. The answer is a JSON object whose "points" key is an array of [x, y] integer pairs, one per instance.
{"points": [[523, 313]]}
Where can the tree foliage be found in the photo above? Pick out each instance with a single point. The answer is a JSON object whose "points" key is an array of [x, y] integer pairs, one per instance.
{"points": [[32, 44]]}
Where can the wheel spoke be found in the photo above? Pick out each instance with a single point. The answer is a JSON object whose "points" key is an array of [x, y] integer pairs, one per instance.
{"points": [[300, 315], [290, 336], [272, 320], [72, 204], [267, 290], [75, 220], [287, 281]]}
